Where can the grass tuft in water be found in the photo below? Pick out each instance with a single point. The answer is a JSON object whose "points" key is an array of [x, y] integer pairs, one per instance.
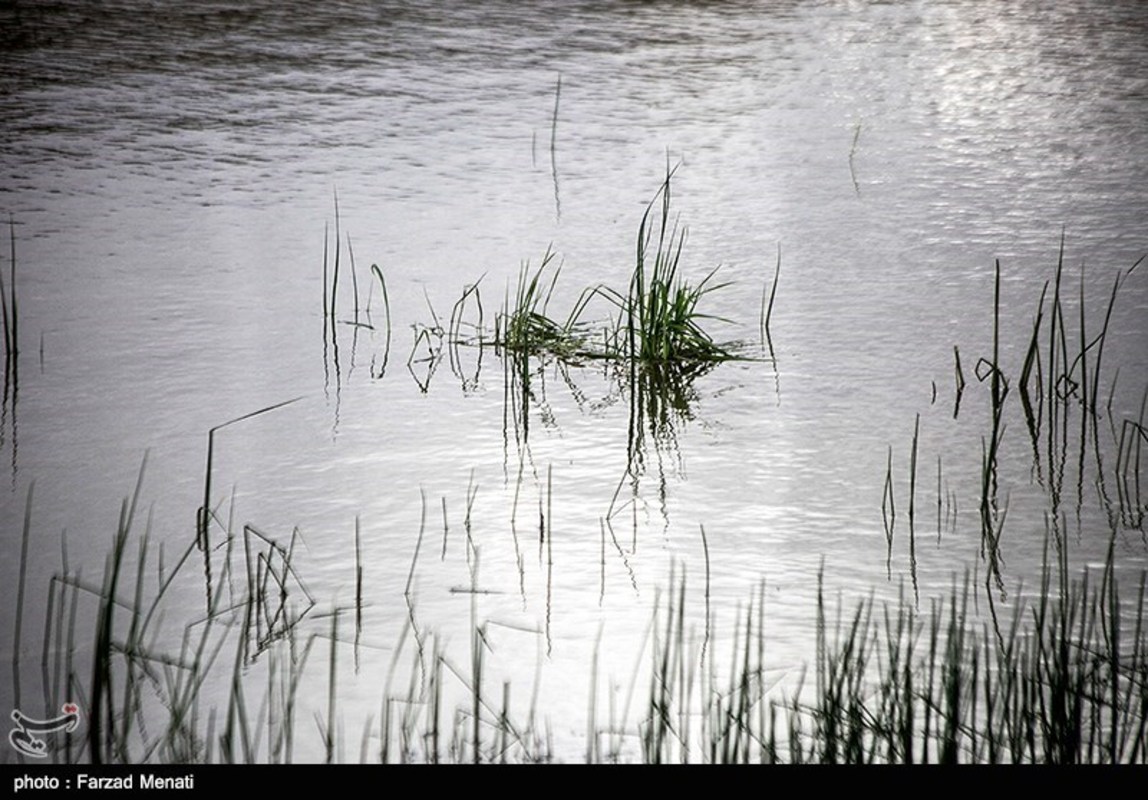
{"points": [[659, 320], [524, 328], [659, 314]]}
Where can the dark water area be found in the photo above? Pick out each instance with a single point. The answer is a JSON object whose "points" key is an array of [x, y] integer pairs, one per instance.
{"points": [[178, 177]]}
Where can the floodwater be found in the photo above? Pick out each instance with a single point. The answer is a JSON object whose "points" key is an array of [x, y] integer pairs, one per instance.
{"points": [[179, 177]]}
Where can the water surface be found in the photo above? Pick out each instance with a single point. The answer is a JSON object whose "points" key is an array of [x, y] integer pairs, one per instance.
{"points": [[173, 174]]}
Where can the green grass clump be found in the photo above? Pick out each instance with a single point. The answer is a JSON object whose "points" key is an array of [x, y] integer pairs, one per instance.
{"points": [[523, 327], [659, 321], [659, 312]]}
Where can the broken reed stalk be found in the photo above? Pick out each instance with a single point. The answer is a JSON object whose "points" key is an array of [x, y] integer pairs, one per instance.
{"points": [[205, 514], [912, 506], [1032, 361], [990, 525]]}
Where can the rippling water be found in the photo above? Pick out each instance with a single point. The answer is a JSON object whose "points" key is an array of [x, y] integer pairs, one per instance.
{"points": [[172, 172]]}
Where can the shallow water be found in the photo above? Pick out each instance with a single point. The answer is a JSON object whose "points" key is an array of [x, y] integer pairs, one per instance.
{"points": [[172, 175]]}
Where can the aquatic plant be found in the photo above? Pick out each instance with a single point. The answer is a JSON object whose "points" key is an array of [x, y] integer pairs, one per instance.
{"points": [[11, 330], [659, 313], [9, 313], [1065, 681], [524, 328], [659, 320]]}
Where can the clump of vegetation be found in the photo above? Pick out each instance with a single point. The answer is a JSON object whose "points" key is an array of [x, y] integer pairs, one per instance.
{"points": [[1065, 681], [659, 314], [524, 328], [659, 321]]}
